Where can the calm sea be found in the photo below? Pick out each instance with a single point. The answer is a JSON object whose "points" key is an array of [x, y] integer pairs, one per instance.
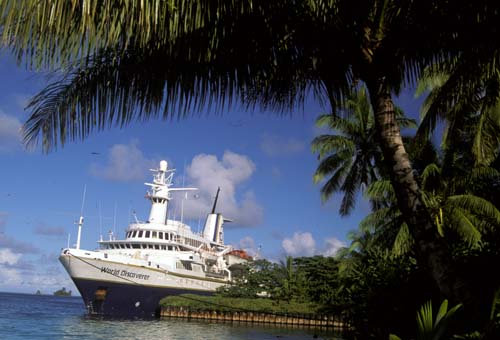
{"points": [[25, 316]]}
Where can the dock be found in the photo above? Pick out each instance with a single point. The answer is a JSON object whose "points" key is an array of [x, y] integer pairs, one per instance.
{"points": [[278, 319]]}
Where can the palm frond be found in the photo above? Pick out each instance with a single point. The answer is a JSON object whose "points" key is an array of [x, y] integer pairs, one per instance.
{"points": [[477, 205], [351, 185], [330, 164], [380, 190], [431, 176], [487, 137], [465, 225], [326, 144], [59, 31], [430, 328], [403, 242]]}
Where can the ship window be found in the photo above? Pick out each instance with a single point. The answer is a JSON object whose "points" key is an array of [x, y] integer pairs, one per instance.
{"points": [[105, 256], [144, 246], [155, 235], [166, 236], [134, 234], [147, 234], [122, 246], [140, 233], [136, 246], [112, 246], [169, 247], [160, 235], [150, 246], [163, 247], [128, 246], [157, 246]]}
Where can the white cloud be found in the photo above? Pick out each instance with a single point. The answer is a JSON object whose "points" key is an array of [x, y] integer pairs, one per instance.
{"points": [[18, 273], [125, 162], [9, 276], [207, 173], [10, 133], [8, 257], [303, 244], [332, 246], [273, 145]]}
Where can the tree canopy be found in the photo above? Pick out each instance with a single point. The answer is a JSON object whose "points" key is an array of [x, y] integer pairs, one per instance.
{"points": [[120, 61]]}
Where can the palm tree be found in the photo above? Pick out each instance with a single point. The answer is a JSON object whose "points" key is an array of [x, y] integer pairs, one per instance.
{"points": [[351, 158], [123, 61], [471, 113], [456, 208]]}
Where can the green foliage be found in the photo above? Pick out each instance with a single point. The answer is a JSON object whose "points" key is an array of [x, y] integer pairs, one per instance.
{"points": [[228, 304], [430, 327], [350, 159], [62, 292], [465, 93], [302, 279], [321, 278], [378, 292], [258, 278]]}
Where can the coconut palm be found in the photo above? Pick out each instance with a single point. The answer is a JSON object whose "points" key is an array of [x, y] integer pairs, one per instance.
{"points": [[350, 159], [123, 61], [454, 203]]}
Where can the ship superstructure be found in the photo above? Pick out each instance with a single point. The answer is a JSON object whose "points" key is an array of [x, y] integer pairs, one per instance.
{"points": [[156, 258]]}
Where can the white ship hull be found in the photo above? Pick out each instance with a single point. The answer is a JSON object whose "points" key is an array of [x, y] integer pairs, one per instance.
{"points": [[123, 290]]}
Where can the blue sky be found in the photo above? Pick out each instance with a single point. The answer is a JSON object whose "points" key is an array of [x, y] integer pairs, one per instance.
{"points": [[262, 162]]}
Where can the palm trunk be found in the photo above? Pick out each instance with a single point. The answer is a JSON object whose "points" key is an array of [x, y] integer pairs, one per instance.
{"points": [[431, 247]]}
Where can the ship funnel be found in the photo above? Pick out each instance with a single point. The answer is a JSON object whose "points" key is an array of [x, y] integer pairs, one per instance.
{"points": [[213, 230]]}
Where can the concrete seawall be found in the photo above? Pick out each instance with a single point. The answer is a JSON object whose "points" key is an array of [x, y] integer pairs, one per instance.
{"points": [[323, 321]]}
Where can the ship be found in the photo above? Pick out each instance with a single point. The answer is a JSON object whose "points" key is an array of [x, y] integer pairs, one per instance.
{"points": [[156, 258]]}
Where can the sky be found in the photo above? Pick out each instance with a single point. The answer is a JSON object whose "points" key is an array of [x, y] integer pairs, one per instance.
{"points": [[262, 162]]}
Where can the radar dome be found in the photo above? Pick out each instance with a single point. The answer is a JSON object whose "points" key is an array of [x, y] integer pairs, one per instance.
{"points": [[163, 165]]}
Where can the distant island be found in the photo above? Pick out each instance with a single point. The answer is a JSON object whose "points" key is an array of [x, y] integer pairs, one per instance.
{"points": [[62, 292], [38, 292]]}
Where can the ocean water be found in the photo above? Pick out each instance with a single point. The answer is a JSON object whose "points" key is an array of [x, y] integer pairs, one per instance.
{"points": [[24, 316]]}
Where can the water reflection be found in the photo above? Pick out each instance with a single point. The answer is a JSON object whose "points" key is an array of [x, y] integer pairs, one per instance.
{"points": [[52, 318], [172, 329]]}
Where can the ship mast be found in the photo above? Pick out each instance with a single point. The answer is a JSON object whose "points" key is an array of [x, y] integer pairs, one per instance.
{"points": [[160, 193], [80, 221]]}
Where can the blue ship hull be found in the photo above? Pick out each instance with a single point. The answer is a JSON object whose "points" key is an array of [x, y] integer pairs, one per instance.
{"points": [[117, 300]]}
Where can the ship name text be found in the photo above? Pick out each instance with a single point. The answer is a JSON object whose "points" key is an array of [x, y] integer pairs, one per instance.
{"points": [[124, 273]]}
